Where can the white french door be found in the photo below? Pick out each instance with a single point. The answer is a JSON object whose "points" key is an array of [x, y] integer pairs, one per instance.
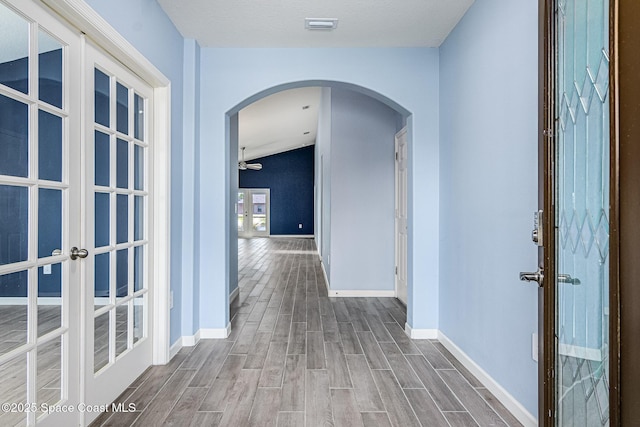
{"points": [[39, 216], [117, 192], [76, 226], [253, 209]]}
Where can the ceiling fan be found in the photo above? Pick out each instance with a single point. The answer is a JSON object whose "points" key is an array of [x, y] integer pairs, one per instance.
{"points": [[242, 165]]}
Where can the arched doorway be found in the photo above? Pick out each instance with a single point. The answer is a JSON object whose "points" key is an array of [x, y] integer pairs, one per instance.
{"points": [[323, 175]]}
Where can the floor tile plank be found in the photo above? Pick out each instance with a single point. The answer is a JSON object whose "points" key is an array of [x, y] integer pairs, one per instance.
{"points": [[345, 408], [350, 342], [367, 394], [318, 408], [444, 397], [372, 351], [474, 403], [398, 408], [425, 408], [337, 366], [293, 385]]}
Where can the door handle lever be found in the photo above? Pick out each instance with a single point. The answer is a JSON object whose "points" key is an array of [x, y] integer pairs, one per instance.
{"points": [[78, 253], [537, 277], [566, 278]]}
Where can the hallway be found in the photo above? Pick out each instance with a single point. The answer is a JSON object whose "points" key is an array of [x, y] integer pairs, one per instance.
{"points": [[296, 357]]}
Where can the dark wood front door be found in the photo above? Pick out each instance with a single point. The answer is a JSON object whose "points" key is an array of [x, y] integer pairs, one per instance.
{"points": [[590, 196]]}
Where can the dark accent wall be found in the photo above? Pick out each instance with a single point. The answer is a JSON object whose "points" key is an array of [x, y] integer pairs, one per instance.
{"points": [[289, 176]]}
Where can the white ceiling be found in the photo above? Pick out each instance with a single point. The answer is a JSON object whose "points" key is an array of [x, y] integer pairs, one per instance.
{"points": [[277, 123], [361, 23]]}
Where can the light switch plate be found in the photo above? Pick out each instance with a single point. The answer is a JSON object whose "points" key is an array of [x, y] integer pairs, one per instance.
{"points": [[46, 269]]}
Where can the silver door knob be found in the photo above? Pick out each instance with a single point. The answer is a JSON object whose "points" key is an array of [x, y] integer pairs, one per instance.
{"points": [[78, 253], [537, 277]]}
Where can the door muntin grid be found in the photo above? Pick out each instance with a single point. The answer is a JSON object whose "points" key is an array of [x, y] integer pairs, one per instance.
{"points": [[34, 215], [121, 200], [582, 213]]}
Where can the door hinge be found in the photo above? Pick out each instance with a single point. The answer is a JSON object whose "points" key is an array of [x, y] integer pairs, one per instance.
{"points": [[396, 270], [396, 155]]}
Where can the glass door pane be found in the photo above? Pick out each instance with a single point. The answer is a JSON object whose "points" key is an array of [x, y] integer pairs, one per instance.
{"points": [[241, 213], [259, 211], [582, 215]]}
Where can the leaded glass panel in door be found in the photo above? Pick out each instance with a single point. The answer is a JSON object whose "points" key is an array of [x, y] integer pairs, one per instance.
{"points": [[582, 213]]}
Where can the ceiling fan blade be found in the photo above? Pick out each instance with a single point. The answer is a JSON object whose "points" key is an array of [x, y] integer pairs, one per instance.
{"points": [[254, 166]]}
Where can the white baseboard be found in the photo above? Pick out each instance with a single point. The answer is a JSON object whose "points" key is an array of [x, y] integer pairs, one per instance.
{"points": [[175, 348], [219, 333], [202, 334], [358, 293], [509, 402], [326, 277], [420, 334], [354, 293], [234, 294]]}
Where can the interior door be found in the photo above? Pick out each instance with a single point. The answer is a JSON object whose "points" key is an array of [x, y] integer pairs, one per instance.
{"points": [[401, 215], [254, 207], [118, 147], [39, 216]]}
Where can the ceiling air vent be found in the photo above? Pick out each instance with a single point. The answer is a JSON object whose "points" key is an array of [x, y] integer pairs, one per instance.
{"points": [[320, 23]]}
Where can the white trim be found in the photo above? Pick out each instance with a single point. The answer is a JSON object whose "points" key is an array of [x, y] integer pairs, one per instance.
{"points": [[83, 17], [324, 274], [580, 352], [191, 340], [234, 294], [219, 333], [509, 402], [339, 293], [202, 334], [161, 224], [420, 334], [175, 348], [292, 236]]}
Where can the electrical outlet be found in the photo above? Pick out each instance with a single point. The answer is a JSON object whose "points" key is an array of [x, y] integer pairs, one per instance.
{"points": [[299, 225], [171, 300], [534, 347]]}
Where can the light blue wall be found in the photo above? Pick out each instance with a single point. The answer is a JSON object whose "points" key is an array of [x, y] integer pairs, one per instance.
{"points": [[191, 118], [145, 25], [363, 194], [231, 76], [488, 190]]}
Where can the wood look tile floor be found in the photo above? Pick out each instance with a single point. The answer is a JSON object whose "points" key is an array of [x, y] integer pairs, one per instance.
{"points": [[296, 357]]}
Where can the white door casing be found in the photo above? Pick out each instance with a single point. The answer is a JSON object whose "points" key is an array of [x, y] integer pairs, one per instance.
{"points": [[401, 215]]}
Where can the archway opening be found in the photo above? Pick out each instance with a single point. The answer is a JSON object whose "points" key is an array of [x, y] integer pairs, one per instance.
{"points": [[351, 209]]}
